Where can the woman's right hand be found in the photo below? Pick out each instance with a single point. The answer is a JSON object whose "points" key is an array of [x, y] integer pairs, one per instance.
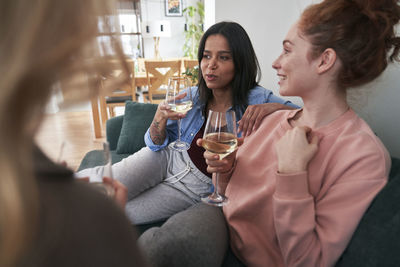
{"points": [[165, 111], [294, 151], [159, 123]]}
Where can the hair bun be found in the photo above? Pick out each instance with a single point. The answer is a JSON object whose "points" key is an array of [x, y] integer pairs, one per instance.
{"points": [[384, 15], [381, 11], [362, 32]]}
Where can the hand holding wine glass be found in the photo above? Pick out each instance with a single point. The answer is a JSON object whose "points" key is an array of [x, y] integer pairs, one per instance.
{"points": [[219, 138], [179, 99], [101, 178], [120, 191], [98, 183]]}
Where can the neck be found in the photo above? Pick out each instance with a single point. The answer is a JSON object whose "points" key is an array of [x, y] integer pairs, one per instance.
{"points": [[221, 101], [322, 108]]}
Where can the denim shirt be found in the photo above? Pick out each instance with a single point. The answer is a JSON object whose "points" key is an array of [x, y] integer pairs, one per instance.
{"points": [[194, 119]]}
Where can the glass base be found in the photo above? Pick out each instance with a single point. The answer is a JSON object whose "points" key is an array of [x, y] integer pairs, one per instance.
{"points": [[179, 146], [215, 200]]}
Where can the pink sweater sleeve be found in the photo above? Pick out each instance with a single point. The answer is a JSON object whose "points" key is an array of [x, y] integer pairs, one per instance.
{"points": [[315, 232]]}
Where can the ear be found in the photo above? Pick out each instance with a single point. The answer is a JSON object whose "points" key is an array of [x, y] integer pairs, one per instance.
{"points": [[326, 60]]}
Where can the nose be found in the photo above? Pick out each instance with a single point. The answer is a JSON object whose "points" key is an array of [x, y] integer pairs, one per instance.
{"points": [[212, 63], [276, 64]]}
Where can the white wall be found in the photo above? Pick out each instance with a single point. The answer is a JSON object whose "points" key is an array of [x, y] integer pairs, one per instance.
{"points": [[209, 13], [267, 21], [169, 47]]}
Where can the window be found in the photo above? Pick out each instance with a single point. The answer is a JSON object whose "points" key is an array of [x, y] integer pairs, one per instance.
{"points": [[128, 20]]}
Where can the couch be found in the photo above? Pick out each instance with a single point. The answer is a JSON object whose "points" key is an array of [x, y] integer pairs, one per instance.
{"points": [[376, 241]]}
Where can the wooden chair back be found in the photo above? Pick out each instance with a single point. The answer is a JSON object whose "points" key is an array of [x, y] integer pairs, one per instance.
{"points": [[190, 63], [111, 98], [160, 71]]}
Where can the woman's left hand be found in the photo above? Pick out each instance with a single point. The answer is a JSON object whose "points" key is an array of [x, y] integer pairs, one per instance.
{"points": [[295, 151], [213, 161], [254, 114]]}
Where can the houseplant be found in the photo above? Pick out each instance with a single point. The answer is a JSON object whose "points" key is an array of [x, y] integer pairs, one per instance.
{"points": [[192, 74], [194, 16]]}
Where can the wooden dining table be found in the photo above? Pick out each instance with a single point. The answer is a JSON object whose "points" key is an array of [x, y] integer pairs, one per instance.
{"points": [[140, 80]]}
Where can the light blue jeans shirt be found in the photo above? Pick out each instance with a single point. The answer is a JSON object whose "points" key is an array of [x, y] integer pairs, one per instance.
{"points": [[194, 119]]}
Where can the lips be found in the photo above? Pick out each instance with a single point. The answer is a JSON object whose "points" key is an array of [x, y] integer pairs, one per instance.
{"points": [[211, 77], [281, 78]]}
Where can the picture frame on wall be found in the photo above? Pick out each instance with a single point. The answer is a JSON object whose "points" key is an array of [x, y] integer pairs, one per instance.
{"points": [[173, 8]]}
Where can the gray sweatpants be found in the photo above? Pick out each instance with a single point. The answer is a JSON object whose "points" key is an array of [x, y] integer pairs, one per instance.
{"points": [[159, 184]]}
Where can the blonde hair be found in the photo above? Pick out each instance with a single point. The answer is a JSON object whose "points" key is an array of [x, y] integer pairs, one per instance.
{"points": [[42, 42]]}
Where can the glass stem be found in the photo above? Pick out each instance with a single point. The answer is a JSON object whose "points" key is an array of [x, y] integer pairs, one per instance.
{"points": [[179, 129], [216, 184]]}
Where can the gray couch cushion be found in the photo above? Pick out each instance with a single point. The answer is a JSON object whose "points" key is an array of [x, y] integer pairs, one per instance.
{"points": [[137, 119], [376, 241], [95, 158]]}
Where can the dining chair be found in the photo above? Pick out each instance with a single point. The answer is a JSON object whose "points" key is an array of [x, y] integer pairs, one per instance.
{"points": [[190, 63], [158, 72], [114, 97], [140, 64]]}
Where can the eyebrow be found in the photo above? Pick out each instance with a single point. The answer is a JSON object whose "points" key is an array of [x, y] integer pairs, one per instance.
{"points": [[220, 52]]}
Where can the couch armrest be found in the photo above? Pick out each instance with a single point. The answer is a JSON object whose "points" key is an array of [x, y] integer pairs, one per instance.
{"points": [[375, 242], [113, 130]]}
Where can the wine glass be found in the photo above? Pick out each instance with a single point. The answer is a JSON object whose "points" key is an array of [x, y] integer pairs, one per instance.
{"points": [[219, 138], [180, 104], [105, 172]]}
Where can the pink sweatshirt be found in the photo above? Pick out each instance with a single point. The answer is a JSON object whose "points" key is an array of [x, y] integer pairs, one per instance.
{"points": [[306, 218]]}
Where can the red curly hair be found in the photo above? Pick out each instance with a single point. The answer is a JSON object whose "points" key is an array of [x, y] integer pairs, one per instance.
{"points": [[361, 32]]}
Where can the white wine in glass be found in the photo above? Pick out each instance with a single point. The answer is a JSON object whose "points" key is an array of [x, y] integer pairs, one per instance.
{"points": [[219, 138], [106, 172], [182, 107], [220, 143], [179, 98]]}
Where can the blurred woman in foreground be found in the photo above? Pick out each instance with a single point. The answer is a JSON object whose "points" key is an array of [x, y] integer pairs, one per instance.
{"points": [[46, 217]]}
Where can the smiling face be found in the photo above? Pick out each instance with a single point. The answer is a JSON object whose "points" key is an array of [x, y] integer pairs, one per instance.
{"points": [[295, 68], [217, 64]]}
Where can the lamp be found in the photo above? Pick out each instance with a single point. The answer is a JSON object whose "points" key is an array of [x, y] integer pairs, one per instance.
{"points": [[156, 29]]}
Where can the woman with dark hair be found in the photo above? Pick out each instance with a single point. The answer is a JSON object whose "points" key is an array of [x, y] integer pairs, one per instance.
{"points": [[161, 181], [247, 70], [311, 173]]}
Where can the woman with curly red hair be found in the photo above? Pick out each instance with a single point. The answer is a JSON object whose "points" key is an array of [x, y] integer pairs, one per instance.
{"points": [[299, 186]]}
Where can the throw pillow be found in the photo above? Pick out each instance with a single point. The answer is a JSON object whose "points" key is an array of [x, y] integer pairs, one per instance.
{"points": [[137, 119]]}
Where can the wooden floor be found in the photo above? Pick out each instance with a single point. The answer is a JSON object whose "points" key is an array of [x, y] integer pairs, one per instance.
{"points": [[75, 128]]}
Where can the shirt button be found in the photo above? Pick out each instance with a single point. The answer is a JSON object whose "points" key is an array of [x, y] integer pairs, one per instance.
{"points": [[191, 134]]}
